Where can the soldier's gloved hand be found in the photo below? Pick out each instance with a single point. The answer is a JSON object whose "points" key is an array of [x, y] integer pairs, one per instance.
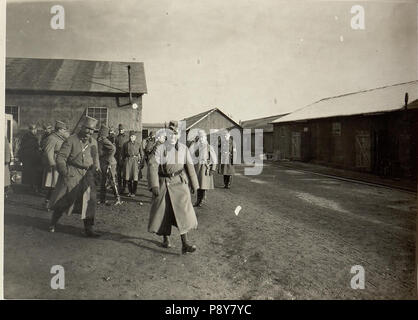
{"points": [[155, 191]]}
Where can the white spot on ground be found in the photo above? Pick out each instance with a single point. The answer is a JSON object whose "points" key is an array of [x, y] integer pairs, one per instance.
{"points": [[237, 210]]}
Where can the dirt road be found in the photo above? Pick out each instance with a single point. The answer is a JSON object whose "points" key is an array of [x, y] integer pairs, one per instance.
{"points": [[296, 237]]}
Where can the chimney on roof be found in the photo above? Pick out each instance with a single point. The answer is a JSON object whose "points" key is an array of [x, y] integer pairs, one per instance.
{"points": [[406, 100]]}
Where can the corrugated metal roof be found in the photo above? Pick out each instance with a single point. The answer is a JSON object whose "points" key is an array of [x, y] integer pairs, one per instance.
{"points": [[383, 99], [261, 123], [74, 75], [191, 121]]}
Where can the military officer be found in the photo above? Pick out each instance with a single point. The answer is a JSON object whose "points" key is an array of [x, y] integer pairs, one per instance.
{"points": [[112, 135], [171, 175], [52, 146], [228, 152], [133, 157], [205, 166], [107, 165], [77, 164], [120, 140]]}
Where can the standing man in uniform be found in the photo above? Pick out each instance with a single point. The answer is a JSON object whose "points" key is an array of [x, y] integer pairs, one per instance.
{"points": [[133, 157], [205, 167], [52, 146], [107, 165], [77, 164], [171, 175], [120, 140], [228, 152], [112, 135], [30, 155]]}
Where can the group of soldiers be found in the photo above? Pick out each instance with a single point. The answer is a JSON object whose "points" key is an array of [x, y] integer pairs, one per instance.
{"points": [[75, 165]]}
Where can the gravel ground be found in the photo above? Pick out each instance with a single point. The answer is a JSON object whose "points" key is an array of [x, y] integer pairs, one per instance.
{"points": [[296, 237]]}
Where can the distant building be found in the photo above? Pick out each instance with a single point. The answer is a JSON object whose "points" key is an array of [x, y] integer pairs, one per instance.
{"points": [[148, 127], [371, 131], [44, 90], [213, 119], [267, 127]]}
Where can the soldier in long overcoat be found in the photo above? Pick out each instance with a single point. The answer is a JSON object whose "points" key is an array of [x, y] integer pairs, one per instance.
{"points": [[51, 147], [205, 167], [30, 155], [120, 140], [172, 175], [133, 156], [107, 165], [77, 164], [227, 152]]}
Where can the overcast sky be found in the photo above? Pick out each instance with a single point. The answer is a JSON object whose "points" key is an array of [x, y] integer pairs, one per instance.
{"points": [[251, 58]]}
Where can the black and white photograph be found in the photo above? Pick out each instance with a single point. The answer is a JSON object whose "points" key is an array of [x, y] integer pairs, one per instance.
{"points": [[210, 150]]}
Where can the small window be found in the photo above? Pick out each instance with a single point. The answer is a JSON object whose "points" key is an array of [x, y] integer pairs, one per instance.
{"points": [[336, 128], [98, 113], [14, 111]]}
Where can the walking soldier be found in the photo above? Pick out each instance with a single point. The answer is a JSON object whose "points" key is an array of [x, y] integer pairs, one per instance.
{"points": [[133, 162], [120, 140], [205, 167], [107, 165], [52, 146], [171, 174], [228, 152], [77, 164]]}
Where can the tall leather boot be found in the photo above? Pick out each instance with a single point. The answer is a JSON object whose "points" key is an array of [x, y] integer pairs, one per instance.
{"points": [[199, 198], [225, 181], [129, 188], [203, 196], [88, 227], [134, 187], [56, 215], [229, 181], [166, 242], [185, 246], [123, 188]]}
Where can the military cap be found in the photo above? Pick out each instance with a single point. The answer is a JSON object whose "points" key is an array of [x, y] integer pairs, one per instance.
{"points": [[60, 125], [173, 126], [89, 122], [104, 131]]}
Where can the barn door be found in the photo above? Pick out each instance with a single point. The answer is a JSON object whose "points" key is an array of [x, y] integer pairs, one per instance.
{"points": [[296, 139], [363, 150]]}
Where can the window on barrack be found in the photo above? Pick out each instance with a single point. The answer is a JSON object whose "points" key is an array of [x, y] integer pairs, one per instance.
{"points": [[98, 113]]}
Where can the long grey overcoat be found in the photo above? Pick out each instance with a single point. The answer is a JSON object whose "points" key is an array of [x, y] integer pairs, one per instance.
{"points": [[51, 147], [206, 164], [76, 188], [173, 205], [227, 154]]}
